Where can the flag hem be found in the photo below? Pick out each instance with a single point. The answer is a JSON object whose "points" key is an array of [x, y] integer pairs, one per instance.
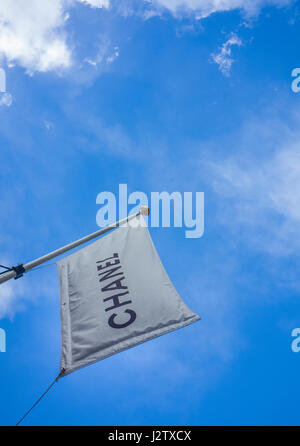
{"points": [[154, 334]]}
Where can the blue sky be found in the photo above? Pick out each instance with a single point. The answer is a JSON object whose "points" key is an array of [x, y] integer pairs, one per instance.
{"points": [[159, 95]]}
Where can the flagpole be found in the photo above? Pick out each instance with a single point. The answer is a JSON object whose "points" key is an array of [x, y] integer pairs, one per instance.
{"points": [[18, 271]]}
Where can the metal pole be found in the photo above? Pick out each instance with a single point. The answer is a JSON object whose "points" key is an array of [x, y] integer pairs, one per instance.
{"points": [[28, 266]]}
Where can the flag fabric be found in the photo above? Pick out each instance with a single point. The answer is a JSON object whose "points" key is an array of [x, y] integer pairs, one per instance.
{"points": [[115, 294]]}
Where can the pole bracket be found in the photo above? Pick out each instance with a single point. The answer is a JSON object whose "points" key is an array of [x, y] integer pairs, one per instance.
{"points": [[19, 270]]}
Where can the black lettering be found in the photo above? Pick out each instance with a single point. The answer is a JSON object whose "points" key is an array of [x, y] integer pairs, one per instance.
{"points": [[112, 323], [107, 264], [108, 274], [116, 301], [116, 255], [115, 285]]}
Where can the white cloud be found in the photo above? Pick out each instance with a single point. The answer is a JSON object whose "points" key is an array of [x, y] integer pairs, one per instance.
{"points": [[204, 8], [11, 297], [264, 197], [32, 33], [106, 54], [7, 300], [5, 99], [96, 3], [17, 295], [112, 57], [223, 58]]}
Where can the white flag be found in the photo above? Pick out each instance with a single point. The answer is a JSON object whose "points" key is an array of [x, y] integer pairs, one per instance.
{"points": [[115, 294]]}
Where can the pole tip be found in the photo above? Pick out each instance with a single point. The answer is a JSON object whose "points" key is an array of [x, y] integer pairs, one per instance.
{"points": [[145, 210]]}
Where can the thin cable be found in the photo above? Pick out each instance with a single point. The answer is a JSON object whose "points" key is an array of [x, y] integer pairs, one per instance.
{"points": [[42, 396], [6, 269]]}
